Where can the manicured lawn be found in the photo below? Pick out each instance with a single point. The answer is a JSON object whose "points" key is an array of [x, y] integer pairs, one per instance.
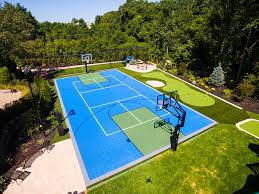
{"points": [[213, 162], [251, 127], [188, 95]]}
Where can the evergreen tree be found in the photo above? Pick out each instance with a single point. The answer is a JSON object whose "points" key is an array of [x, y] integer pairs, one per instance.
{"points": [[217, 76]]}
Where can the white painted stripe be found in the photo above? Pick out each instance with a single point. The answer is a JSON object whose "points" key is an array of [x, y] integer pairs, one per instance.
{"points": [[87, 79], [114, 101], [245, 121], [137, 124], [136, 91], [130, 113], [98, 83], [90, 110], [103, 88], [200, 89]]}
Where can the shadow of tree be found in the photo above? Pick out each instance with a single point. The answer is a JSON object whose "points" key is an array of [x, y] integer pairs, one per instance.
{"points": [[252, 181]]}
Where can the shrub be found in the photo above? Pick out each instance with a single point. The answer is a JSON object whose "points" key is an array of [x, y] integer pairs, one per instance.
{"points": [[4, 182], [245, 89], [168, 64], [227, 93], [200, 82], [206, 79], [217, 76], [182, 68], [191, 77], [4, 75], [173, 70]]}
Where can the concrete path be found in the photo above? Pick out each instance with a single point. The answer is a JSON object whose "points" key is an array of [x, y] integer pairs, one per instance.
{"points": [[56, 172], [6, 97]]}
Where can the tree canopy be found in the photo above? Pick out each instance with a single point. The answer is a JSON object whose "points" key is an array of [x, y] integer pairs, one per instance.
{"points": [[201, 34]]}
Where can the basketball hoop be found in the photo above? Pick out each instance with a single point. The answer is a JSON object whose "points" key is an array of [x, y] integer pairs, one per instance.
{"points": [[86, 58]]}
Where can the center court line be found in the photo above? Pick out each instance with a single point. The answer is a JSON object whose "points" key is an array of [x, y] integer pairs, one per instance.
{"points": [[130, 112], [137, 124], [90, 110], [88, 91], [115, 101]]}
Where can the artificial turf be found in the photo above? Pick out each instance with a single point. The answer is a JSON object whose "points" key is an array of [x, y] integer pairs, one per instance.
{"points": [[188, 95], [251, 127], [213, 162]]}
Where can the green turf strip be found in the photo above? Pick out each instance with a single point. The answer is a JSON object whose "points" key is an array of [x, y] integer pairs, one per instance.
{"points": [[251, 127], [144, 136], [91, 78], [187, 94]]}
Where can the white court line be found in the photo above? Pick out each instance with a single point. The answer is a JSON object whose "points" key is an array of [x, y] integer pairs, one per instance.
{"points": [[115, 101], [97, 83], [88, 91], [90, 110], [90, 79], [130, 112], [136, 91], [137, 125]]}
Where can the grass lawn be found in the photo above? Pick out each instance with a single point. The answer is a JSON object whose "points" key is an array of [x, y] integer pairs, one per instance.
{"points": [[251, 127], [213, 162]]}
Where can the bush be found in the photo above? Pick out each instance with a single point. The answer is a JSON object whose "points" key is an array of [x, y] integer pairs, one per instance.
{"points": [[206, 79], [191, 77], [217, 76], [227, 93], [4, 75], [200, 82], [245, 89], [168, 64], [182, 68], [4, 182], [173, 70]]}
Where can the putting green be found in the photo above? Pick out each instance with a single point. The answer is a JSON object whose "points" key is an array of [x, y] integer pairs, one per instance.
{"points": [[142, 132], [187, 94], [90, 78], [251, 127]]}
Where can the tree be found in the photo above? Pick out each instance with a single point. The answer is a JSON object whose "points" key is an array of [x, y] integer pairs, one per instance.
{"points": [[217, 76]]}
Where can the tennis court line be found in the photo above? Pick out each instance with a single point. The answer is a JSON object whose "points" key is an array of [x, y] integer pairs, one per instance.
{"points": [[137, 124], [90, 110], [130, 112], [90, 79], [117, 101], [102, 88]]}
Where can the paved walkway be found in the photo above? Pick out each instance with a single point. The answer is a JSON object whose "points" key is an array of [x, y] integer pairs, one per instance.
{"points": [[52, 173], [6, 97]]}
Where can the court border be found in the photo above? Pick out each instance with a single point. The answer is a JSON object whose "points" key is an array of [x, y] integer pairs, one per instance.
{"points": [[238, 125], [72, 137], [134, 163]]}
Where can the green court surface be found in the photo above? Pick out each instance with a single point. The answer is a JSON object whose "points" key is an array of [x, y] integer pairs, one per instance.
{"points": [[251, 127], [187, 94], [91, 78], [138, 125]]}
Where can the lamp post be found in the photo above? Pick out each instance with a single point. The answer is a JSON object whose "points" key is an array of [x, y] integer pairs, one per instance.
{"points": [[27, 71]]}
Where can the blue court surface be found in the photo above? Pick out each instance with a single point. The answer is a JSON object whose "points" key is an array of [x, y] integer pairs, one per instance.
{"points": [[113, 127]]}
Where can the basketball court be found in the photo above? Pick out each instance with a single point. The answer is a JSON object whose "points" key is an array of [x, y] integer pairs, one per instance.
{"points": [[119, 121]]}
